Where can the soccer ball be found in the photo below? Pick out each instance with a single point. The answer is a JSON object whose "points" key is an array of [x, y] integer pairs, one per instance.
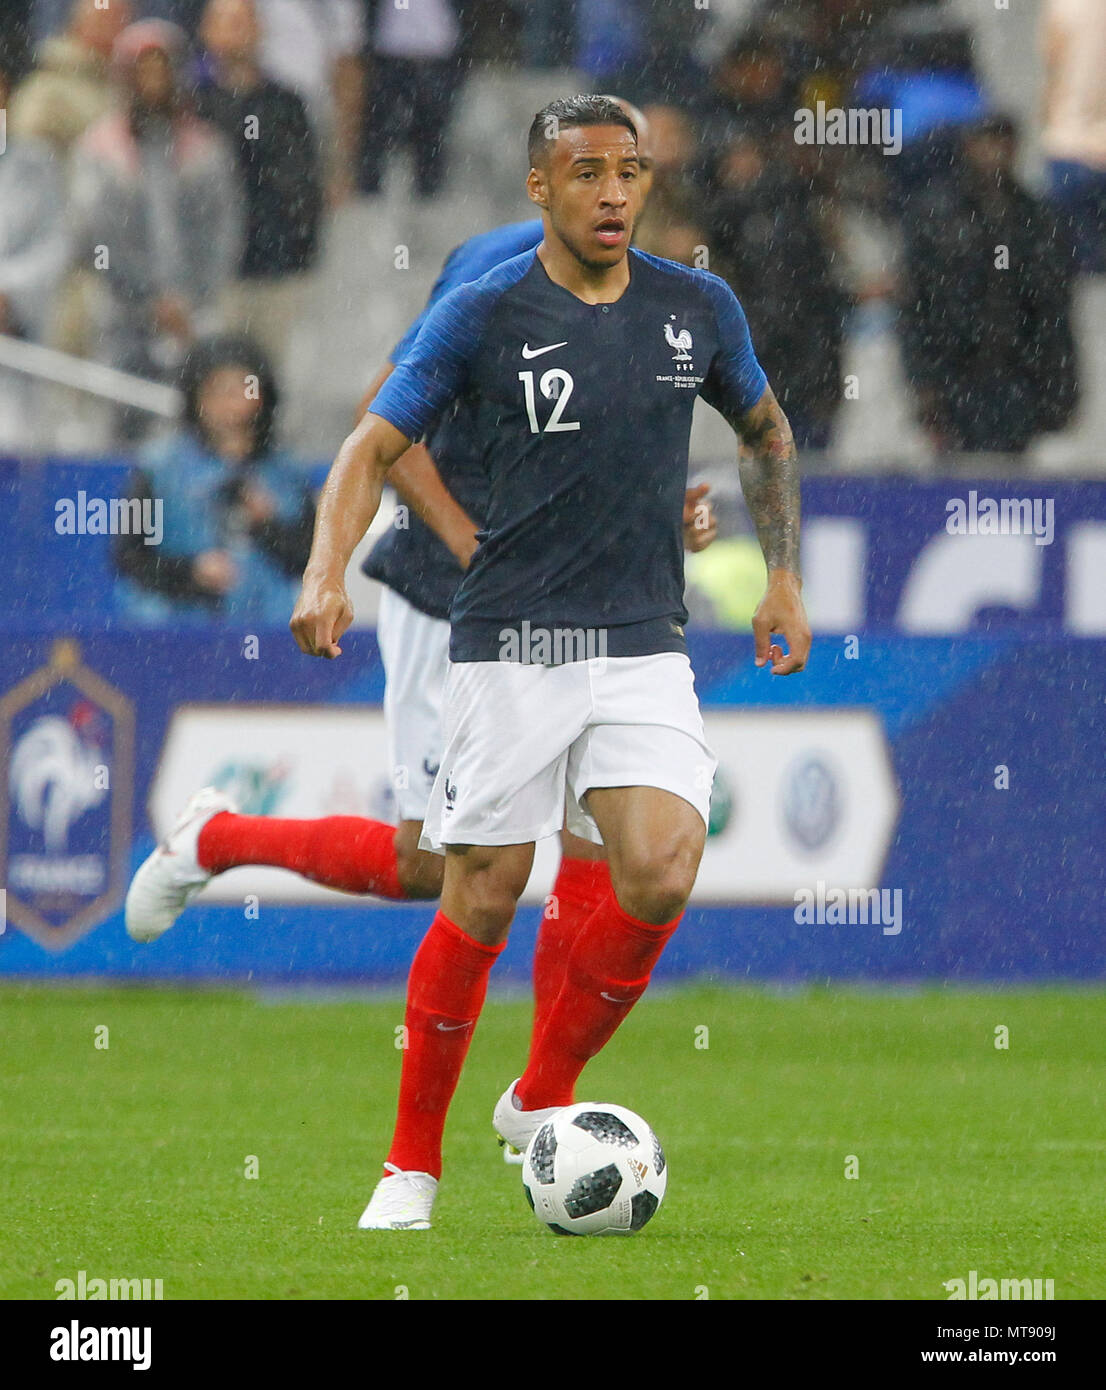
{"points": [[594, 1170]]}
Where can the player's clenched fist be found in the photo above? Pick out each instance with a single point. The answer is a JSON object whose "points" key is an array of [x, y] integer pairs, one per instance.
{"points": [[322, 614]]}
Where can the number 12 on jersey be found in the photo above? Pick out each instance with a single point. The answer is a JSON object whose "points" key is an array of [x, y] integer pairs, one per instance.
{"points": [[555, 385]]}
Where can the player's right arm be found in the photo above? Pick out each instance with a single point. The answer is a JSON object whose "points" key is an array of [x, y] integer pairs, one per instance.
{"points": [[411, 399], [350, 499]]}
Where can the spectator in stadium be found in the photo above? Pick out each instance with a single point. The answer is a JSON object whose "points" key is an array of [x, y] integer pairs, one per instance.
{"points": [[752, 88], [49, 16], [413, 82], [610, 43], [986, 314], [157, 210], [643, 47], [237, 515], [34, 253], [266, 125], [315, 47], [1074, 135], [547, 35], [674, 34], [922, 67], [33, 242], [186, 14], [73, 82], [767, 243], [72, 85], [826, 42]]}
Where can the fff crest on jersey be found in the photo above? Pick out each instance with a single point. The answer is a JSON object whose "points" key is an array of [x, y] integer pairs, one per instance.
{"points": [[67, 753], [680, 341]]}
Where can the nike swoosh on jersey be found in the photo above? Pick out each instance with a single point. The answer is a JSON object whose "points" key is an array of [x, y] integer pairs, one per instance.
{"points": [[604, 995], [529, 352], [451, 1027]]}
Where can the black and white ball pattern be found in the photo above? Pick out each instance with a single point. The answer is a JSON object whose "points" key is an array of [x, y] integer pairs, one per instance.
{"points": [[594, 1169]]}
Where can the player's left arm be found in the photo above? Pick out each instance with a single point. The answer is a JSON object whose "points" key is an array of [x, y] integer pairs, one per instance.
{"points": [[769, 468], [736, 386], [372, 391], [417, 481]]}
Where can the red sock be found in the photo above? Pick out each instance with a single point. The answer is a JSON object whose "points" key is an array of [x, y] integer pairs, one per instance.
{"points": [[445, 993], [352, 853], [608, 970], [582, 884]]}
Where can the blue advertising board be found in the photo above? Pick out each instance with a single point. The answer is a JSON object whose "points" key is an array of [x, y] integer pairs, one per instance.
{"points": [[984, 752], [944, 746], [942, 555]]}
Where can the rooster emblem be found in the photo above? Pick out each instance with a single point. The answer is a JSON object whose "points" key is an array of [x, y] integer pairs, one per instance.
{"points": [[680, 342], [52, 775]]}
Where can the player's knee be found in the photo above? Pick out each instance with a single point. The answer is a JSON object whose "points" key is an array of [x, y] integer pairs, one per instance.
{"points": [[655, 903], [486, 896], [655, 887], [490, 908]]}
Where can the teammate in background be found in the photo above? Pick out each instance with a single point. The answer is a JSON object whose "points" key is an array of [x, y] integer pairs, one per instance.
{"points": [[420, 566], [586, 455]]}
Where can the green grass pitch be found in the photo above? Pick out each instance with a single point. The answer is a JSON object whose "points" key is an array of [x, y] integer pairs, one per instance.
{"points": [[130, 1160]]}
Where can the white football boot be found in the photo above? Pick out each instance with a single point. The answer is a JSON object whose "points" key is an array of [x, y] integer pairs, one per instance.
{"points": [[402, 1201], [170, 878], [517, 1127]]}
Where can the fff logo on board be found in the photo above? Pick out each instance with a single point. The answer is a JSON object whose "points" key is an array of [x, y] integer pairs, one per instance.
{"points": [[67, 749]]}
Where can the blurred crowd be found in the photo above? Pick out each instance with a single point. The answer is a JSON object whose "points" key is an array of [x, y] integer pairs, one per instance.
{"points": [[170, 166]]}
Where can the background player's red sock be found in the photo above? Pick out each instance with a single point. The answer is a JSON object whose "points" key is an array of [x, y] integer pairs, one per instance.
{"points": [[608, 970], [352, 853], [445, 993], [582, 884]]}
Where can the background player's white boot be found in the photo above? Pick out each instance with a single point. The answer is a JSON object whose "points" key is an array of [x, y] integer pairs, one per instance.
{"points": [[402, 1201], [517, 1127], [171, 877]]}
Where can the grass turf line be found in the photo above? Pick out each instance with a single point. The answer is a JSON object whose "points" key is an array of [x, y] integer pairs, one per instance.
{"points": [[129, 1161]]}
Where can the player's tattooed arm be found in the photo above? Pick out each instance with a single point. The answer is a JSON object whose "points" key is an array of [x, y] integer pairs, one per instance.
{"points": [[769, 468], [349, 500]]}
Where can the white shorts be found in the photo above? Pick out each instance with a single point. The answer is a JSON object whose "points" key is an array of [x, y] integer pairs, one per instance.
{"points": [[415, 650], [525, 743]]}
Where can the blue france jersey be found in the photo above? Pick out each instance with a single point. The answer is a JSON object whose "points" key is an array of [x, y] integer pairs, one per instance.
{"points": [[411, 559], [581, 415]]}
